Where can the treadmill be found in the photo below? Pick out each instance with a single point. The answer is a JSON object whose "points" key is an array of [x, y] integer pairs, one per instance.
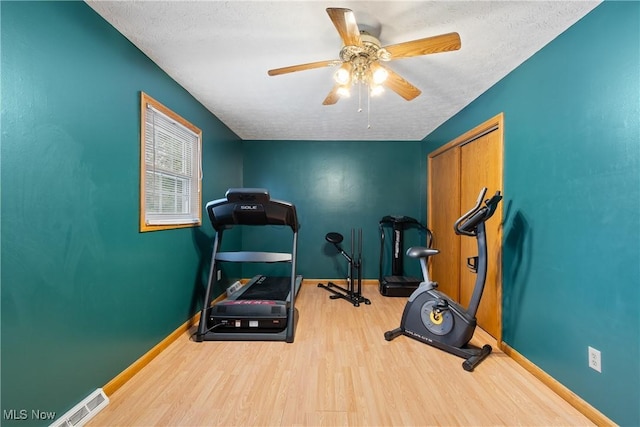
{"points": [[264, 308]]}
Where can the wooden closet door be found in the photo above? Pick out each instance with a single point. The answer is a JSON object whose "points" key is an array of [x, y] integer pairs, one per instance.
{"points": [[444, 209], [457, 172], [479, 168]]}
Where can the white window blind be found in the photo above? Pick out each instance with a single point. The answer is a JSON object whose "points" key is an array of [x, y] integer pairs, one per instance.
{"points": [[172, 171]]}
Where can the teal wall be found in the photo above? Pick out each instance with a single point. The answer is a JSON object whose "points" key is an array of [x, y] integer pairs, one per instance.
{"points": [[84, 294], [572, 205], [337, 186]]}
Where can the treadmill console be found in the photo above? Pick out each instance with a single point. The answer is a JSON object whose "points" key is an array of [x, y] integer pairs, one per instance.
{"points": [[250, 206]]}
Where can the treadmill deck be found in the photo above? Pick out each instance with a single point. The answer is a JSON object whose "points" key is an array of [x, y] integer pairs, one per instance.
{"points": [[248, 310]]}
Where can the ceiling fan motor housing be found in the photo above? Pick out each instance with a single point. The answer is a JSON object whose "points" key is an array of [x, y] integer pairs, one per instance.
{"points": [[369, 48], [361, 56]]}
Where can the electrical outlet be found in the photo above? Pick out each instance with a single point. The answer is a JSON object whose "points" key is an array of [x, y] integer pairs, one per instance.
{"points": [[594, 359]]}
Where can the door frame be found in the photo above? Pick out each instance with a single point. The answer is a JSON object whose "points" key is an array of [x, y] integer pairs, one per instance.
{"points": [[496, 124]]}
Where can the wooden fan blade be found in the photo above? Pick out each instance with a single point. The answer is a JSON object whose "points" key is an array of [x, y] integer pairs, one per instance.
{"points": [[436, 44], [400, 85], [333, 96], [345, 22], [302, 67]]}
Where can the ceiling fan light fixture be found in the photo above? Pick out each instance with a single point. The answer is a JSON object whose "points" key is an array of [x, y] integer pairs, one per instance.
{"points": [[342, 76], [343, 91], [376, 90], [379, 75]]}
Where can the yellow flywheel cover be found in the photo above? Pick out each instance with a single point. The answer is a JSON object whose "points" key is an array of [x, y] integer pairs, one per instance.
{"points": [[436, 319]]}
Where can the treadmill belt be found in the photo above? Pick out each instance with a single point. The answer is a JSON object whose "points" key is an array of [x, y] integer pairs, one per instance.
{"points": [[268, 288]]}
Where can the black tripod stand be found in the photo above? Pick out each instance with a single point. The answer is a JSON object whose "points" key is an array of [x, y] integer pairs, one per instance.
{"points": [[353, 291]]}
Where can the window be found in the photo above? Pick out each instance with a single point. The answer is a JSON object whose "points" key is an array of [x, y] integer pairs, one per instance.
{"points": [[170, 169]]}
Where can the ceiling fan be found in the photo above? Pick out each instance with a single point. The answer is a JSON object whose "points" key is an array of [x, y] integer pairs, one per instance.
{"points": [[362, 56]]}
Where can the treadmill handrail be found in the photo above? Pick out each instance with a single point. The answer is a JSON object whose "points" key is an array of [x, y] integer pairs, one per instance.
{"points": [[250, 256]]}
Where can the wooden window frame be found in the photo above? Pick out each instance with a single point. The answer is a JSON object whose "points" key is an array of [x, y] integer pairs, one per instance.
{"points": [[196, 173]]}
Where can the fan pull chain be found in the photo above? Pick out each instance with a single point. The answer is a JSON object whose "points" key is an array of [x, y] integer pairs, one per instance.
{"points": [[360, 85], [368, 108]]}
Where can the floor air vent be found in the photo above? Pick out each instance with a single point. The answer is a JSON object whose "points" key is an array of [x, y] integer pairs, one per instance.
{"points": [[83, 411]]}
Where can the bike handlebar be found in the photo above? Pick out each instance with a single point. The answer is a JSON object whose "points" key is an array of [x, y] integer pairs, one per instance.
{"points": [[468, 222]]}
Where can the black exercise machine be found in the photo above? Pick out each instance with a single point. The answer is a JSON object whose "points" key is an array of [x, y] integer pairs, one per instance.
{"points": [[353, 291], [431, 316], [398, 285], [264, 308]]}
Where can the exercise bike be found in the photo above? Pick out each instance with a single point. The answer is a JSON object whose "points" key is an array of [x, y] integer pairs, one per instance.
{"points": [[431, 316]]}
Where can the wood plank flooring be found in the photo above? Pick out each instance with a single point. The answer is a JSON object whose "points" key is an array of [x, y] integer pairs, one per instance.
{"points": [[339, 371]]}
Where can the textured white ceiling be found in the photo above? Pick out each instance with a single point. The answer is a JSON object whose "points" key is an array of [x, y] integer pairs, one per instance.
{"points": [[220, 52]]}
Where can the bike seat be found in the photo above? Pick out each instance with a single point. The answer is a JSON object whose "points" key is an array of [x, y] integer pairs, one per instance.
{"points": [[421, 252], [334, 238]]}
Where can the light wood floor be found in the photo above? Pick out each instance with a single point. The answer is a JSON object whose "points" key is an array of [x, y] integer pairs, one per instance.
{"points": [[339, 371]]}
